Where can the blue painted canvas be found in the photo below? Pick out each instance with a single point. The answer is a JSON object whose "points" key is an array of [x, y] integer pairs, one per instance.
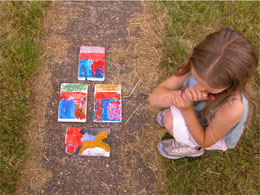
{"points": [[73, 102], [91, 63]]}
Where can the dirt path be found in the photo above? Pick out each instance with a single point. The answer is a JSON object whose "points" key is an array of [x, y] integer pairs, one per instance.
{"points": [[69, 26]]}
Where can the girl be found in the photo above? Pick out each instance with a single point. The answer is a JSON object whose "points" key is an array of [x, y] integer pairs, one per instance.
{"points": [[208, 96]]}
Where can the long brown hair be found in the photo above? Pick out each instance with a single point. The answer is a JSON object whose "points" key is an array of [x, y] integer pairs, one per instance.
{"points": [[225, 59]]}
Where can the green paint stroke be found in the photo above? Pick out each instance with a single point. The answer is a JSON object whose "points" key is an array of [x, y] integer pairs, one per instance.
{"points": [[74, 87]]}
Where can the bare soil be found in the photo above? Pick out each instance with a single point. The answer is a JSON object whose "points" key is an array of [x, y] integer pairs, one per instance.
{"points": [[70, 25]]}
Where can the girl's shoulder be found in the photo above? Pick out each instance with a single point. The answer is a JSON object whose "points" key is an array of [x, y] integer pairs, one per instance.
{"points": [[227, 116], [233, 109]]}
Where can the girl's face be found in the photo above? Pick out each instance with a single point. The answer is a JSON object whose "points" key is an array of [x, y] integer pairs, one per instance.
{"points": [[203, 85]]}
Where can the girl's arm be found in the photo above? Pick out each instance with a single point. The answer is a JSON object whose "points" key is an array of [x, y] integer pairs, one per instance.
{"points": [[161, 95], [225, 118]]}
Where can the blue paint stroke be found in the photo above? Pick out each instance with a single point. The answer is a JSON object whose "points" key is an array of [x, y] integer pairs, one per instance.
{"points": [[104, 111], [99, 74], [66, 109], [85, 70], [105, 103], [87, 137]]}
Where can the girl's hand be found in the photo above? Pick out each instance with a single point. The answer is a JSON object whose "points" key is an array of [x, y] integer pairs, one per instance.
{"points": [[181, 100], [194, 94]]}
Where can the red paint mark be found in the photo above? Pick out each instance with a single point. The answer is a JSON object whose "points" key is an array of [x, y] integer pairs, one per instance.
{"points": [[70, 149], [97, 64], [99, 108], [77, 96], [92, 56], [73, 138], [107, 95], [74, 131], [211, 97], [118, 103], [79, 114]]}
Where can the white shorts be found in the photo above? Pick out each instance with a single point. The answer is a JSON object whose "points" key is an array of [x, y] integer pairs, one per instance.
{"points": [[182, 134]]}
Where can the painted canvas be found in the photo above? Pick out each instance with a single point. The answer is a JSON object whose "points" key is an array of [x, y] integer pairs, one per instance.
{"points": [[107, 103], [91, 63], [87, 141], [73, 102]]}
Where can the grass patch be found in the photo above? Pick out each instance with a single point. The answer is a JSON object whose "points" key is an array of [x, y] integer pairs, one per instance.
{"points": [[216, 172], [20, 32]]}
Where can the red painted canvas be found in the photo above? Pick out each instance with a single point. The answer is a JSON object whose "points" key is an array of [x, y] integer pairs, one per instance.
{"points": [[73, 102], [91, 63], [107, 103]]}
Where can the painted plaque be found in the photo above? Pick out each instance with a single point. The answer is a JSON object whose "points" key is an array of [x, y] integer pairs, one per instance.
{"points": [[107, 103], [73, 102], [87, 141], [91, 63]]}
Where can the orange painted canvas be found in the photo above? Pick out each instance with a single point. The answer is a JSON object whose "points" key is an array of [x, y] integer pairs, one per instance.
{"points": [[107, 103], [87, 141]]}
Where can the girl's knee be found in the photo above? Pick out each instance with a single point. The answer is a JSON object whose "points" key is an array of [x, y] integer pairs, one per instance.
{"points": [[168, 122]]}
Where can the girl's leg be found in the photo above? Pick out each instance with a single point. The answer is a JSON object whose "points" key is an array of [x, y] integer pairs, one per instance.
{"points": [[171, 148], [168, 122]]}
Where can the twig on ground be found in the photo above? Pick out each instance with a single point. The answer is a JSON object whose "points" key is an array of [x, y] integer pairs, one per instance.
{"points": [[46, 158], [32, 186], [137, 108], [138, 83], [213, 172]]}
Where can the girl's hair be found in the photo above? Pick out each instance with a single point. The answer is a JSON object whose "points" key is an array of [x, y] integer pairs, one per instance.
{"points": [[225, 59]]}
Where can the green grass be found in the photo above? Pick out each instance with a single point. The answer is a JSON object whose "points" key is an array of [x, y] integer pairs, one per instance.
{"points": [[20, 32], [235, 171]]}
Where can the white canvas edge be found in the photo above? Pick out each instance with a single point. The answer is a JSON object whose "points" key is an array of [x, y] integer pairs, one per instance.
{"points": [[81, 78], [96, 79], [91, 79], [107, 121], [71, 120]]}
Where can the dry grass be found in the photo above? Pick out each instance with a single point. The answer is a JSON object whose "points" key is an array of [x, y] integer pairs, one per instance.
{"points": [[34, 175], [142, 57], [142, 54]]}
